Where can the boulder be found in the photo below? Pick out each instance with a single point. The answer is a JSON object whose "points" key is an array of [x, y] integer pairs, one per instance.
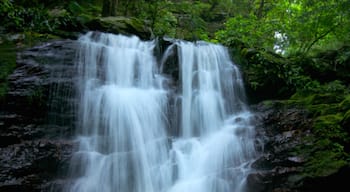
{"points": [[120, 25]]}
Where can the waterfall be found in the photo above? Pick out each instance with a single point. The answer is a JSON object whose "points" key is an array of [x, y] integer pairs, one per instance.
{"points": [[122, 140], [215, 143], [125, 119]]}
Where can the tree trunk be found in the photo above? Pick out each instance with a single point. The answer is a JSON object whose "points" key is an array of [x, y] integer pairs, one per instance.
{"points": [[109, 8], [261, 9]]}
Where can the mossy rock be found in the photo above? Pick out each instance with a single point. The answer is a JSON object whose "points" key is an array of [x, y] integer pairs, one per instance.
{"points": [[120, 25], [328, 126], [324, 163], [7, 63]]}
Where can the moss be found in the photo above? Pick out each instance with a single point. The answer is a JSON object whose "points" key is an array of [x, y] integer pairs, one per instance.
{"points": [[346, 121], [316, 98], [324, 150], [323, 109], [327, 98], [345, 104], [328, 126], [7, 64], [299, 99], [322, 158], [121, 25], [324, 163]]}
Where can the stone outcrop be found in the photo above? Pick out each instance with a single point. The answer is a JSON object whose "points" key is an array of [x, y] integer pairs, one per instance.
{"points": [[34, 135], [122, 25]]}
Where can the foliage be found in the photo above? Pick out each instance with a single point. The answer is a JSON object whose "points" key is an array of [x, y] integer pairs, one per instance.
{"points": [[314, 87], [35, 16], [180, 19], [292, 27], [249, 29]]}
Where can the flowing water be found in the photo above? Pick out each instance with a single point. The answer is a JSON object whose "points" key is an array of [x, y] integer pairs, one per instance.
{"points": [[124, 119], [215, 143]]}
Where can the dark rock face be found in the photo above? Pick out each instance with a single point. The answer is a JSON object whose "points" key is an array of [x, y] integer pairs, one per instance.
{"points": [[33, 165], [36, 119], [282, 130]]}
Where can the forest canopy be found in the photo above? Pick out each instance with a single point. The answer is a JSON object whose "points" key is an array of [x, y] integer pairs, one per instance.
{"points": [[285, 26]]}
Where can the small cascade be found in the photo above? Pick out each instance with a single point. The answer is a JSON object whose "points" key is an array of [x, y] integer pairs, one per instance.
{"points": [[126, 136]]}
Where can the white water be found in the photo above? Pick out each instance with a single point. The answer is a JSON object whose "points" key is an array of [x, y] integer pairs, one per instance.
{"points": [[124, 144], [215, 145]]}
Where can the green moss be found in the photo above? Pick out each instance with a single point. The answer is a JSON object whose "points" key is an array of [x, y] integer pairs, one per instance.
{"points": [[7, 64], [123, 25], [345, 104], [323, 109], [324, 163], [346, 121], [316, 98], [327, 98], [328, 126]]}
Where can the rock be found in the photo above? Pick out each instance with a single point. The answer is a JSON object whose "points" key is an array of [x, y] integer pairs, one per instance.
{"points": [[282, 129], [28, 166], [292, 154], [256, 182], [120, 25], [35, 144]]}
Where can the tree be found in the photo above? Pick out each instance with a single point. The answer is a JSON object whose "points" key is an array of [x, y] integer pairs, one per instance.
{"points": [[303, 24], [109, 8]]}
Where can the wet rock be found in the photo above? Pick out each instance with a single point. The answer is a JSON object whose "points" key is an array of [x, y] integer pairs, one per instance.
{"points": [[30, 164], [257, 182], [35, 144], [282, 129]]}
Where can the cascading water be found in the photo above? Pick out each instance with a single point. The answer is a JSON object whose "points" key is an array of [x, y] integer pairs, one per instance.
{"points": [[215, 145], [123, 144], [124, 140]]}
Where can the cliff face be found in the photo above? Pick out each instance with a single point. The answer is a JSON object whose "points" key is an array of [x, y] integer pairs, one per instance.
{"points": [[34, 141], [37, 124]]}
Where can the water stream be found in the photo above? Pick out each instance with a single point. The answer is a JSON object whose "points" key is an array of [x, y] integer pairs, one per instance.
{"points": [[125, 121]]}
